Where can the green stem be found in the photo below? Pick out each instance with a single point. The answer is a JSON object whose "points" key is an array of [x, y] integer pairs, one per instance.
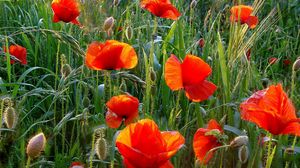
{"points": [[92, 151], [28, 162], [212, 150]]}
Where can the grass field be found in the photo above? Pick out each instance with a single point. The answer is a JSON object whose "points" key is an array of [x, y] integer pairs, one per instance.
{"points": [[58, 94]]}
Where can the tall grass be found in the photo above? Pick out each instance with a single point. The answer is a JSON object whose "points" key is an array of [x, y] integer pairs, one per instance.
{"points": [[45, 100]]}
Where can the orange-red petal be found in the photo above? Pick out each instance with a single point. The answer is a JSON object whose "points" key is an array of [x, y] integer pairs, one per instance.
{"points": [[162, 8], [121, 107], [271, 110], [112, 55], [65, 10], [194, 70], [241, 12], [19, 52], [173, 75], [142, 145], [201, 91], [252, 21]]}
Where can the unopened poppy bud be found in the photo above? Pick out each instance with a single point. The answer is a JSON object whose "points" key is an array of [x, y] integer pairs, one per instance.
{"points": [[201, 43], [8, 102], [129, 32], [296, 65], [239, 141], [10, 117], [116, 2], [289, 154], [193, 4], [153, 74], [36, 145], [85, 101], [101, 148], [108, 24], [243, 154], [66, 70]]}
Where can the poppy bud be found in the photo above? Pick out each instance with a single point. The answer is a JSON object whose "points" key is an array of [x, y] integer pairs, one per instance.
{"points": [[116, 2], [129, 32], [243, 154], [66, 70], [201, 43], [153, 74], [193, 4], [108, 24], [239, 141], [289, 154], [85, 101], [101, 148], [36, 145], [296, 65], [10, 117], [8, 102]]}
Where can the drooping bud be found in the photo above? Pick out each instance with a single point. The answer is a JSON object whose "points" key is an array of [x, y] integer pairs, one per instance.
{"points": [[193, 4], [66, 70], [239, 141], [108, 24], [10, 117], [296, 65], [116, 2], [243, 154], [129, 32], [36, 145]]}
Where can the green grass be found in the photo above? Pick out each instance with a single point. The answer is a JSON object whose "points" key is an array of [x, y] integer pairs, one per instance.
{"points": [[45, 101]]}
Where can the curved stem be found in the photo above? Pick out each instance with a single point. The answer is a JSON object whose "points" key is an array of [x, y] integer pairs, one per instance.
{"points": [[28, 162]]}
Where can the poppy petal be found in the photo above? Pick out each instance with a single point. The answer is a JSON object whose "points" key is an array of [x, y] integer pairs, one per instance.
{"points": [[174, 141], [252, 21], [242, 12], [173, 74], [213, 124], [162, 8], [292, 129], [200, 92], [92, 53], [128, 56], [203, 144], [194, 70], [168, 164], [113, 120]]}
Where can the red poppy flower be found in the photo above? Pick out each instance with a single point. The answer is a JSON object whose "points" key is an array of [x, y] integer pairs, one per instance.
{"points": [[272, 60], [242, 14], [77, 165], [203, 142], [161, 8], [122, 107], [19, 52], [142, 145], [189, 75], [271, 110], [66, 11], [110, 55]]}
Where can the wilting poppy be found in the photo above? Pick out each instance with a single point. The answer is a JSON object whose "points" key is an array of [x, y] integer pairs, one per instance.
{"points": [[77, 165], [66, 11], [205, 140], [161, 8], [111, 55], [271, 110], [242, 14], [142, 145], [189, 75], [272, 60], [121, 107], [19, 52]]}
